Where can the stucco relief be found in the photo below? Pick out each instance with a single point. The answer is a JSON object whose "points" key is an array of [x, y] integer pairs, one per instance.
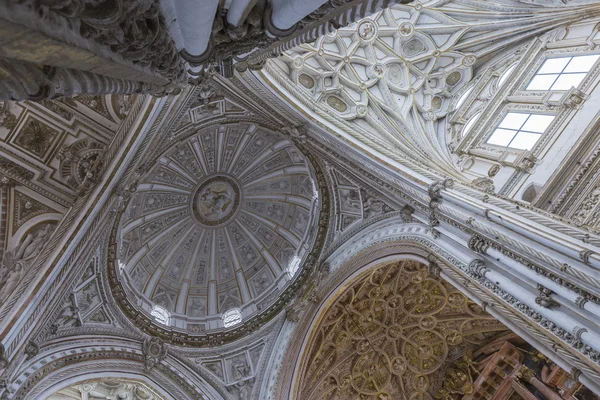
{"points": [[392, 330], [17, 260], [230, 205], [107, 388]]}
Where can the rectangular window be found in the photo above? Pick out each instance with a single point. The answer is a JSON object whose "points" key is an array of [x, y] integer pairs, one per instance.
{"points": [[562, 73], [520, 131]]}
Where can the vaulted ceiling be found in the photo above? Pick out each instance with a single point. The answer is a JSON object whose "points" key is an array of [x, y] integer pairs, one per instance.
{"points": [[391, 79], [391, 331]]}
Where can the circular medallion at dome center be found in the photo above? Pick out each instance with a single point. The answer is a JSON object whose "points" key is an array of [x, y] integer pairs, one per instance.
{"points": [[216, 200]]}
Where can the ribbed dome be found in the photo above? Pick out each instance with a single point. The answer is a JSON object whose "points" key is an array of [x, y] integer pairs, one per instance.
{"points": [[217, 224]]}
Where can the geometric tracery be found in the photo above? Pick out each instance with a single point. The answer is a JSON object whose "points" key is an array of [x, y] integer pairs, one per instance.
{"points": [[392, 331]]}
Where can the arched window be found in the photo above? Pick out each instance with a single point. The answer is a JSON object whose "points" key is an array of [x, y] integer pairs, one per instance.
{"points": [[463, 98], [293, 266], [506, 74], [160, 314], [232, 317], [470, 124]]}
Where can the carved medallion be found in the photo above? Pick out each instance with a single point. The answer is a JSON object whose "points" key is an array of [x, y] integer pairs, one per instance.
{"points": [[216, 200]]}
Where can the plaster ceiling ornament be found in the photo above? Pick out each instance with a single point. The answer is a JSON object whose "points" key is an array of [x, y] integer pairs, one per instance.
{"points": [[218, 223], [77, 161], [26, 208], [394, 330], [17, 261], [353, 203], [120, 389], [393, 76]]}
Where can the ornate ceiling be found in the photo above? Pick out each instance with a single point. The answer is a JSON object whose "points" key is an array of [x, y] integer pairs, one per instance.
{"points": [[51, 154], [217, 223], [392, 77], [394, 330], [118, 389]]}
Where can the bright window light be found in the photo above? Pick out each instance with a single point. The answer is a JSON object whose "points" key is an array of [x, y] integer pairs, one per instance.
{"points": [[232, 317], [470, 124], [293, 266], [520, 131], [463, 97], [506, 74], [160, 315], [562, 73]]}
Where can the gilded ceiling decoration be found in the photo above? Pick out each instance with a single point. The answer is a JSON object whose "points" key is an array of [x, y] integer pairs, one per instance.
{"points": [[391, 334], [221, 221]]}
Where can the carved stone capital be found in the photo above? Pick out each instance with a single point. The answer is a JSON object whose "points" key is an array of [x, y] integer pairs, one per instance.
{"points": [[584, 255], [406, 214], [477, 268], [580, 302], [433, 219], [578, 331], [31, 349], [434, 267], [478, 244], [544, 298], [435, 189]]}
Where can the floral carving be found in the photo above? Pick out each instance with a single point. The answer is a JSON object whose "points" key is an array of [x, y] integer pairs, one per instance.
{"points": [[77, 160], [36, 137]]}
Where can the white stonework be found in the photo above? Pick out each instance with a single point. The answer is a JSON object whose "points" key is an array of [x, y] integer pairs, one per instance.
{"points": [[129, 224]]}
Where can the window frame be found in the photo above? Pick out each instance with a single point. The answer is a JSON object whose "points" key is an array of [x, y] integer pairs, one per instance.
{"points": [[518, 131], [562, 72], [512, 96]]}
